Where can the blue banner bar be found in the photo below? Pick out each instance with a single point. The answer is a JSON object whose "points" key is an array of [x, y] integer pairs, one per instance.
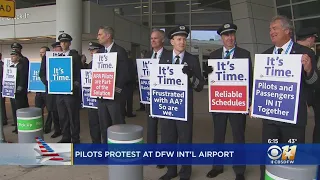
{"points": [[196, 154]]}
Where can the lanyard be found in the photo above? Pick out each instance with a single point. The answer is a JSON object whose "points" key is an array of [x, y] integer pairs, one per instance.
{"points": [[287, 50], [229, 53]]}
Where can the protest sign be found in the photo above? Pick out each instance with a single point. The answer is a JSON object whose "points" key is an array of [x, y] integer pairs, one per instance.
{"points": [[9, 82], [229, 85], [35, 84], [276, 87], [104, 67], [60, 76], [144, 78], [168, 92], [87, 101]]}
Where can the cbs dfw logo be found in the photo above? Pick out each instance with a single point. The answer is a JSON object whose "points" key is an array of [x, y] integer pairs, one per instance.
{"points": [[284, 155]]}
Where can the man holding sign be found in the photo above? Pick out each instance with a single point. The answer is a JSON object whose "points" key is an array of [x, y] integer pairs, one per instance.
{"points": [[173, 131], [69, 105], [232, 73], [283, 129], [21, 91], [110, 110], [51, 102], [93, 115]]}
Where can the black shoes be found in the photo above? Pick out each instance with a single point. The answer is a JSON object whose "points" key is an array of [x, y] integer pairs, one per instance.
{"points": [[240, 177], [167, 177], [214, 173], [56, 134], [161, 166]]}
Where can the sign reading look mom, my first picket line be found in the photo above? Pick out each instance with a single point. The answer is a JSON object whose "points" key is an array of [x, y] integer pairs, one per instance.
{"points": [[60, 76], [229, 85], [276, 87], [144, 79], [104, 66], [168, 92]]}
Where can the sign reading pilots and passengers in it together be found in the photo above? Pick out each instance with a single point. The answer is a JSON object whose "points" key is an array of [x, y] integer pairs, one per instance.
{"points": [[59, 74], [8, 8], [168, 92], [35, 84], [144, 79], [9, 82], [104, 67], [276, 87], [229, 85], [86, 78]]}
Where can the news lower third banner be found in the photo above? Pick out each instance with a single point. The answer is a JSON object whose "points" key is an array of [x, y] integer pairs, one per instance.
{"points": [[42, 153]]}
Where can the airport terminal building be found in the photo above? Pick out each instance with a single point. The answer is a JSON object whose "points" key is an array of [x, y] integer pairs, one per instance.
{"points": [[39, 22]]}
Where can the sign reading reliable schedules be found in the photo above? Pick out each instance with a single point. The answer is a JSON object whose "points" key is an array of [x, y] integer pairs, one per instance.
{"points": [[7, 8]]}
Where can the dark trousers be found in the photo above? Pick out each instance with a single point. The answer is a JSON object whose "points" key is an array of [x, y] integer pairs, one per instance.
{"points": [[68, 111], [94, 126], [127, 100], [172, 132], [20, 101], [109, 112], [316, 130], [238, 125], [283, 134], [152, 127], [3, 109]]}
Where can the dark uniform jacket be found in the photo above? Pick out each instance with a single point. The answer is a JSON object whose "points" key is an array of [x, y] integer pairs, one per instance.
{"points": [[21, 86], [238, 53], [122, 75], [311, 81]]}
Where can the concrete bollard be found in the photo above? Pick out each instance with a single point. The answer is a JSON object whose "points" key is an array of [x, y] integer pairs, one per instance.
{"points": [[125, 134], [285, 172], [30, 126]]}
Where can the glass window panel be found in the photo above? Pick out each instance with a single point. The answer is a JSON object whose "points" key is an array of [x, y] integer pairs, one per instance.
{"points": [[209, 5], [308, 23], [136, 19], [170, 19], [170, 7], [125, 10], [145, 20], [282, 2], [285, 11], [210, 18], [306, 9], [111, 2]]}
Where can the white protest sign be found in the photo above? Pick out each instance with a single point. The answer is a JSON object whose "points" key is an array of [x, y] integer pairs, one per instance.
{"points": [[276, 87], [168, 92], [9, 82], [104, 66], [229, 85], [143, 68]]}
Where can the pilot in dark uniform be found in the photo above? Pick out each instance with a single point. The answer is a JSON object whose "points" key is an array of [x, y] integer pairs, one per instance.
{"points": [[280, 34], [21, 94], [18, 47], [237, 120], [110, 110], [93, 115], [174, 131], [51, 99], [69, 105], [307, 37]]}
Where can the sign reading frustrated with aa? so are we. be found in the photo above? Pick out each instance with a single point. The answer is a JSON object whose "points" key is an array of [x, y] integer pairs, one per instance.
{"points": [[168, 92]]}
